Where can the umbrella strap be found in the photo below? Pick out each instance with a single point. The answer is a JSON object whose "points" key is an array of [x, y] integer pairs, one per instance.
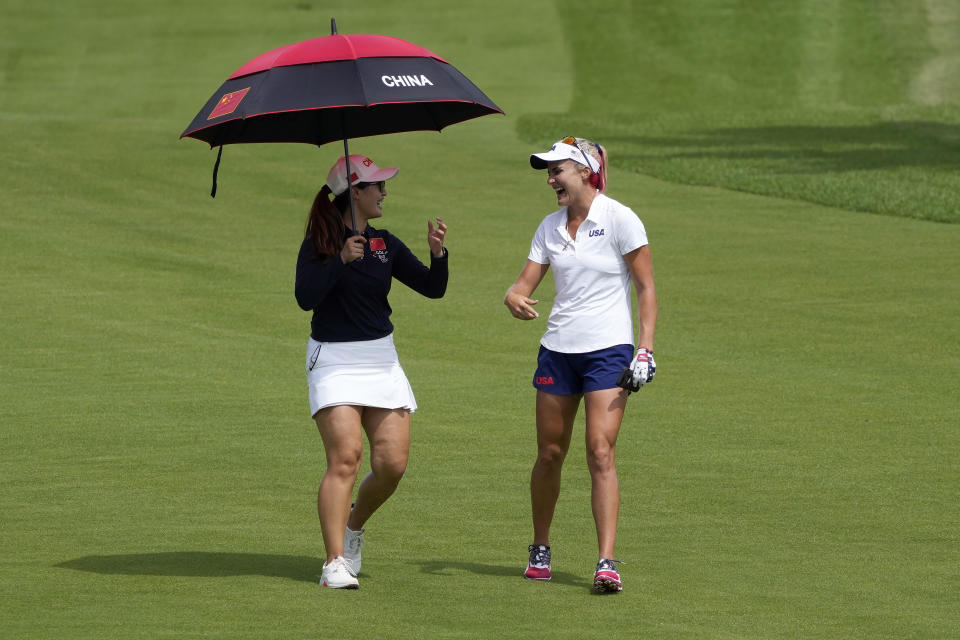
{"points": [[216, 170]]}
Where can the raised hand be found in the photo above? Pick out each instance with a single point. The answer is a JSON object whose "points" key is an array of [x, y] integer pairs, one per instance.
{"points": [[435, 236]]}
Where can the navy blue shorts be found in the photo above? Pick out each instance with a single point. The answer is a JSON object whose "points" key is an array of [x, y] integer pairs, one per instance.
{"points": [[572, 373]]}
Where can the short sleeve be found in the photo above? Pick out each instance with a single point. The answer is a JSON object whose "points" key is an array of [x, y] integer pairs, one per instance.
{"points": [[538, 246], [631, 234]]}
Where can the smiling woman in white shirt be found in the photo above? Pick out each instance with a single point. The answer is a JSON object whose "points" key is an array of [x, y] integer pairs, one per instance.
{"points": [[598, 248]]}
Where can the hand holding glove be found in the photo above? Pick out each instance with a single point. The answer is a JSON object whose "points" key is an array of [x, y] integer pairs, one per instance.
{"points": [[640, 371]]}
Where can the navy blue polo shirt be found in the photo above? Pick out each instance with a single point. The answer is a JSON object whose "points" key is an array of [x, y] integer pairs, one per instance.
{"points": [[349, 301]]}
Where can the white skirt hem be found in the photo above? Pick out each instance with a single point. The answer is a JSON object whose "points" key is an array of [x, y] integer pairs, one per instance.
{"points": [[364, 373]]}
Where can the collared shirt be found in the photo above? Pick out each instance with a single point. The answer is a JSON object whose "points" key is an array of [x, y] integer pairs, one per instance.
{"points": [[349, 301], [592, 307]]}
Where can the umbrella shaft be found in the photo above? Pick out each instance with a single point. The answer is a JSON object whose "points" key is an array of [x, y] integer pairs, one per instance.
{"points": [[353, 214]]}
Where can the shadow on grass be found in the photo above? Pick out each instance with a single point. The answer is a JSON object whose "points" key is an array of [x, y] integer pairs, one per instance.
{"points": [[447, 568], [813, 149], [204, 564], [212, 564]]}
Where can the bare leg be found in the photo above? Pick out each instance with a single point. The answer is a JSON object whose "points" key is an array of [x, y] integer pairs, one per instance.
{"points": [[388, 431], [604, 410], [555, 414], [342, 438]]}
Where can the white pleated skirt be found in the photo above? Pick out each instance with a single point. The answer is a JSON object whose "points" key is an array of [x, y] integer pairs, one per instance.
{"points": [[365, 373]]}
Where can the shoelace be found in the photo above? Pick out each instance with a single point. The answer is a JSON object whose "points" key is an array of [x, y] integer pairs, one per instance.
{"points": [[540, 556], [607, 564]]}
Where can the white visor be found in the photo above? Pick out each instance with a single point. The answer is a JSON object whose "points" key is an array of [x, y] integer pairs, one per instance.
{"points": [[564, 151]]}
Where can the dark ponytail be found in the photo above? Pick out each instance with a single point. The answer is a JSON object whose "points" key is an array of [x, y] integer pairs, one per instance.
{"points": [[325, 226]]}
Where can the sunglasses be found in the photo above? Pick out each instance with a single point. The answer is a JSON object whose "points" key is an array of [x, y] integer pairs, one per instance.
{"points": [[570, 140], [380, 185]]}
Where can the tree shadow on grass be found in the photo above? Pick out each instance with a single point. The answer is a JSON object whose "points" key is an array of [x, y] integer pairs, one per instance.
{"points": [[810, 148], [202, 564], [448, 568]]}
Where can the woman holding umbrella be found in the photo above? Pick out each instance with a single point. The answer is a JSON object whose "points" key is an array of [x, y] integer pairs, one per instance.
{"points": [[356, 383], [597, 248]]}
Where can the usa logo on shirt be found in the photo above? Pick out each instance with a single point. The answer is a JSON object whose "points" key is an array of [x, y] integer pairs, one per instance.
{"points": [[596, 232]]}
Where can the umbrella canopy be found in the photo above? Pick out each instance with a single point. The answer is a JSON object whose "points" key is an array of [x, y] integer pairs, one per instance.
{"points": [[338, 87]]}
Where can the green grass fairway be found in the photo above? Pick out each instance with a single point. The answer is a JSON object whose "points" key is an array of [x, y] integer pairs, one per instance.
{"points": [[849, 104], [791, 473]]}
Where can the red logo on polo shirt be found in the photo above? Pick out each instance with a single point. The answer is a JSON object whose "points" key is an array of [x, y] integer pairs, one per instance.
{"points": [[377, 244]]}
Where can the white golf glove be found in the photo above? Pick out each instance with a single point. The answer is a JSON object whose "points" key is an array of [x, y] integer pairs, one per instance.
{"points": [[640, 371]]}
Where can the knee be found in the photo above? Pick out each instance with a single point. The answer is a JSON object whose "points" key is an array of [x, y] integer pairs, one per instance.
{"points": [[345, 461], [551, 456], [390, 469], [600, 458]]}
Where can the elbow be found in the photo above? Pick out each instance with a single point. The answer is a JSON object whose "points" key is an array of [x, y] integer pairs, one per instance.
{"points": [[439, 288], [304, 301]]}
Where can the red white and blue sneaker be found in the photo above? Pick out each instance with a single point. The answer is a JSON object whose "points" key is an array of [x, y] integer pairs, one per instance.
{"points": [[538, 567], [607, 578]]}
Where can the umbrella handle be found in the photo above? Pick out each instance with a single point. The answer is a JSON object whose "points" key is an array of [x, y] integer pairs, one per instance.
{"points": [[216, 170]]}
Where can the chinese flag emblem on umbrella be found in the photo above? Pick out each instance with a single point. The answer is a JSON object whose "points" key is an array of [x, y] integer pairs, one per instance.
{"points": [[338, 87]]}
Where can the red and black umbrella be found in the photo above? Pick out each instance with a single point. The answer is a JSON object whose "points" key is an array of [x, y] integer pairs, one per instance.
{"points": [[337, 87]]}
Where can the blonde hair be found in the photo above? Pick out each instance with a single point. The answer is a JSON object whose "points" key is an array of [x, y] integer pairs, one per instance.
{"points": [[598, 153]]}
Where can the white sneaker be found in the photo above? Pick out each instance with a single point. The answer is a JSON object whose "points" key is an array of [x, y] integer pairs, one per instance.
{"points": [[336, 575], [352, 543]]}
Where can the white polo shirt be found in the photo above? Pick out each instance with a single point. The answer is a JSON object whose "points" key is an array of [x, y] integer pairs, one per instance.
{"points": [[592, 307]]}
